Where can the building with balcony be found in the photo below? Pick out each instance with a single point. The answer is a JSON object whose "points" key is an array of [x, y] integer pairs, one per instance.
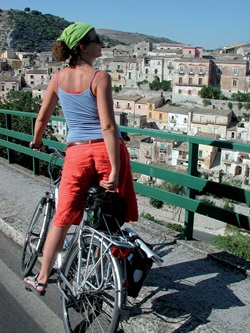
{"points": [[8, 83], [236, 163], [180, 154], [39, 91], [209, 121], [36, 77], [177, 119], [190, 75], [207, 154], [232, 76]]}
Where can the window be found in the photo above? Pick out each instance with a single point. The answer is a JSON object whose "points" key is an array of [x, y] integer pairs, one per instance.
{"points": [[185, 120], [170, 64], [200, 81], [150, 107], [150, 115], [31, 82], [180, 80], [179, 91], [32, 76], [162, 146], [107, 67], [118, 67], [189, 92], [139, 107], [129, 75], [156, 71], [235, 71], [200, 153], [128, 106], [235, 83], [119, 77], [191, 70], [146, 71], [201, 70], [181, 69], [227, 156], [2, 88], [190, 80], [160, 116], [117, 104]]}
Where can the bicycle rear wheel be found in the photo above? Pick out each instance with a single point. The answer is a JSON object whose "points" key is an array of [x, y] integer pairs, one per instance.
{"points": [[35, 236], [96, 308]]}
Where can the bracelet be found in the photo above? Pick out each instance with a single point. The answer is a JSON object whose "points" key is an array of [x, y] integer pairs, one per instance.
{"points": [[32, 146]]}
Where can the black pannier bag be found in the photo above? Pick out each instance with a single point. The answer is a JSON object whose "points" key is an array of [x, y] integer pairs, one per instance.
{"points": [[105, 209], [138, 266]]}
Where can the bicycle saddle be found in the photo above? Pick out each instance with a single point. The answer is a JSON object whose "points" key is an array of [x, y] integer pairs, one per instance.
{"points": [[95, 190]]}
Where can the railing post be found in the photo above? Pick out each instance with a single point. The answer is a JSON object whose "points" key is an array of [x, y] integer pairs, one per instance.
{"points": [[35, 161], [8, 126], [192, 170]]}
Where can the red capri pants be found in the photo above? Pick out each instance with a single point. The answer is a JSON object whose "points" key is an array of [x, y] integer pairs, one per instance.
{"points": [[84, 166]]}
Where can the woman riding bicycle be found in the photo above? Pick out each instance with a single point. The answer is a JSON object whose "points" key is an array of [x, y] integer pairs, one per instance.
{"points": [[96, 153]]}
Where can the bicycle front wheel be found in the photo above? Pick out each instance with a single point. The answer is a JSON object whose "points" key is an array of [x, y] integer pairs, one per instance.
{"points": [[35, 236], [95, 308]]}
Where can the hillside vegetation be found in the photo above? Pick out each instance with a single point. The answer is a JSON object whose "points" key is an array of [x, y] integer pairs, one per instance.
{"points": [[34, 31]]}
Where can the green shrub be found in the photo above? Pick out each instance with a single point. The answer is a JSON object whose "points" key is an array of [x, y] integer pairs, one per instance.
{"points": [[234, 242], [173, 226], [156, 203], [207, 201], [206, 102]]}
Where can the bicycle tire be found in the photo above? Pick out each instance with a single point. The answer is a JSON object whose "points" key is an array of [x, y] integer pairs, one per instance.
{"points": [[91, 311], [35, 236]]}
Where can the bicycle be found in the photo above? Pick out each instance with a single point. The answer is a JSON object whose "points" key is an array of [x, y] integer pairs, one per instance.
{"points": [[93, 275]]}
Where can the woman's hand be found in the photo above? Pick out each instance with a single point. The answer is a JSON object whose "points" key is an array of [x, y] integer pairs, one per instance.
{"points": [[110, 184], [39, 148]]}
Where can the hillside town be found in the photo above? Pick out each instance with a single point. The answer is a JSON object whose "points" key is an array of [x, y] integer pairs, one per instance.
{"points": [[179, 110]]}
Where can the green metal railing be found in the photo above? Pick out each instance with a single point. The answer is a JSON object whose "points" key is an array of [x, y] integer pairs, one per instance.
{"points": [[194, 184]]}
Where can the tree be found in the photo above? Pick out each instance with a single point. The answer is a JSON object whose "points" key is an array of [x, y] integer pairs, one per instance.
{"points": [[210, 92], [230, 105], [23, 101]]}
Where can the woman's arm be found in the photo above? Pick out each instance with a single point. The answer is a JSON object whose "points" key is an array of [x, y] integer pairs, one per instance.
{"points": [[48, 105], [103, 94]]}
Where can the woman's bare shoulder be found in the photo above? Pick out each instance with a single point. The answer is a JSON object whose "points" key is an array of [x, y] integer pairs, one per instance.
{"points": [[102, 77]]}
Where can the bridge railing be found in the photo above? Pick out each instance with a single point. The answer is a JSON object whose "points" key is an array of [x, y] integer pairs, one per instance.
{"points": [[16, 141]]}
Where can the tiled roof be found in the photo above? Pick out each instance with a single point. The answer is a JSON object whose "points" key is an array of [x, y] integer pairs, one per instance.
{"points": [[37, 71], [5, 78], [221, 112]]}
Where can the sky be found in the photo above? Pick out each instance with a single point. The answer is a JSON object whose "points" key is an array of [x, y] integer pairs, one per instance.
{"points": [[208, 23]]}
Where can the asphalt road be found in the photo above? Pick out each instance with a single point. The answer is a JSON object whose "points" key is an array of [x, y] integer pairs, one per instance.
{"points": [[22, 311]]}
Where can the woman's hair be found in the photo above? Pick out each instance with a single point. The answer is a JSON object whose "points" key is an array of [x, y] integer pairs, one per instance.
{"points": [[62, 52]]}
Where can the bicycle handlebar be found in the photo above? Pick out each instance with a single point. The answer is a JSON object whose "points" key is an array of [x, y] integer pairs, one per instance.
{"points": [[53, 150]]}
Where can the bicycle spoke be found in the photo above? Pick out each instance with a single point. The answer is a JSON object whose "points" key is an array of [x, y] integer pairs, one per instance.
{"points": [[95, 309]]}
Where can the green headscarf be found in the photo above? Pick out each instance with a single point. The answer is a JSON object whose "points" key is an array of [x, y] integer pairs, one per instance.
{"points": [[74, 33]]}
